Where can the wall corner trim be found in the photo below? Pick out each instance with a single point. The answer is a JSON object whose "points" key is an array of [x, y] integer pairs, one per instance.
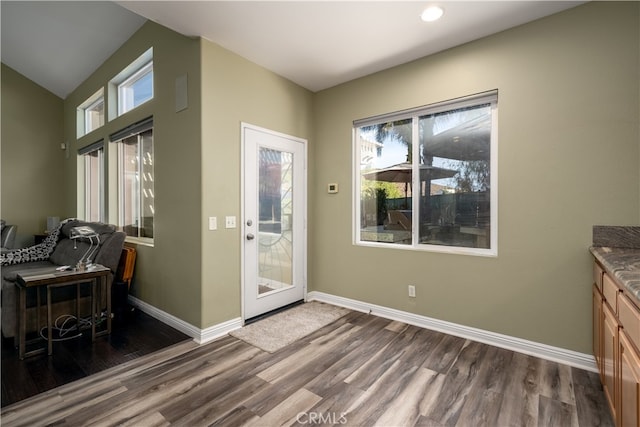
{"points": [[201, 336], [543, 351]]}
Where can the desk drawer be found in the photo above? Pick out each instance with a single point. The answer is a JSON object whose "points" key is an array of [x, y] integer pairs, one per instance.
{"points": [[597, 275], [629, 319], [610, 291]]}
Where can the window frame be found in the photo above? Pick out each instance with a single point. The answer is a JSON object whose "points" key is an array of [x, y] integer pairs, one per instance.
{"points": [[125, 100], [83, 120], [137, 130], [489, 97], [87, 119], [85, 153], [137, 69]]}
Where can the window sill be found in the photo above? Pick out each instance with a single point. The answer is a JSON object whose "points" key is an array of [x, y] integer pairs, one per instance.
{"points": [[454, 250], [142, 241]]}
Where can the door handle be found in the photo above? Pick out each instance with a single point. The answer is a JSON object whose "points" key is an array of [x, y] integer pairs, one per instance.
{"points": [[250, 236]]}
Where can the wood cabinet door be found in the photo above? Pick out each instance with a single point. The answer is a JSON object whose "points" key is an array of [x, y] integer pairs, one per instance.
{"points": [[597, 275], [629, 400], [597, 328], [609, 356]]}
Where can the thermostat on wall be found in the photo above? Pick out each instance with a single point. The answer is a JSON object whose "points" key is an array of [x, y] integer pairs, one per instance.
{"points": [[332, 188]]}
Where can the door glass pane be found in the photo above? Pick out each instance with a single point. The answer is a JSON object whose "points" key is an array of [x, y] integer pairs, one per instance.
{"points": [[275, 208]]}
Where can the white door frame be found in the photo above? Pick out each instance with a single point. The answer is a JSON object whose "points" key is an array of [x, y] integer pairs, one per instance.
{"points": [[243, 231]]}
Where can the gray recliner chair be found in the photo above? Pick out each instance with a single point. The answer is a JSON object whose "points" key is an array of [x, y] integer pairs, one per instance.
{"points": [[8, 235], [58, 249]]}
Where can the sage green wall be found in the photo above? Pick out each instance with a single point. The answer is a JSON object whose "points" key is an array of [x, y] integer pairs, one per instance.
{"points": [[167, 275], [567, 159], [235, 90], [32, 161]]}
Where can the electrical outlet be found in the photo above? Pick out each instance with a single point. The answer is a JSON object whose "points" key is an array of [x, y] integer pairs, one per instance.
{"points": [[213, 223], [412, 291]]}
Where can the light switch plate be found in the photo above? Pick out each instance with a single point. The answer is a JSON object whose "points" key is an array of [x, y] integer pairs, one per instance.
{"points": [[213, 223], [230, 221]]}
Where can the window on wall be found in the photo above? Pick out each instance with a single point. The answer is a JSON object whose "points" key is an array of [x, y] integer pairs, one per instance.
{"points": [[93, 161], [90, 114], [136, 196], [133, 86], [427, 177], [136, 90]]}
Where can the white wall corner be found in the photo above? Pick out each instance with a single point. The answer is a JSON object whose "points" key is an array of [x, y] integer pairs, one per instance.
{"points": [[543, 351], [200, 336]]}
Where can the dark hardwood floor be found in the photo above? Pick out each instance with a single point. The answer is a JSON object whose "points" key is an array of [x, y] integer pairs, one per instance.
{"points": [[133, 335], [360, 370]]}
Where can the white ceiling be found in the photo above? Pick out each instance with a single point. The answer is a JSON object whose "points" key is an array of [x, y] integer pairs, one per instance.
{"points": [[317, 44]]}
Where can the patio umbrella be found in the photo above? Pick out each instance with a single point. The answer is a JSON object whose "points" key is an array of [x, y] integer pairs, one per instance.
{"points": [[402, 172]]}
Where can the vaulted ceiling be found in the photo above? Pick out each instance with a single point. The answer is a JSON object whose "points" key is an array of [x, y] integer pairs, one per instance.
{"points": [[317, 44]]}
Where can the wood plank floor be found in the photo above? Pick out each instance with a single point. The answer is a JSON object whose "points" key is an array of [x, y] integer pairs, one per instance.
{"points": [[136, 335], [361, 370]]}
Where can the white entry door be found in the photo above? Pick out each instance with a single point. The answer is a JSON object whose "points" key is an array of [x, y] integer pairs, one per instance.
{"points": [[274, 220]]}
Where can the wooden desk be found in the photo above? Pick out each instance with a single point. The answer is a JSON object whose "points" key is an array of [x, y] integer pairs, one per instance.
{"points": [[52, 278]]}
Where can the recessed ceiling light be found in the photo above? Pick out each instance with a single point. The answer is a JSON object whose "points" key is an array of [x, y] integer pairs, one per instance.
{"points": [[432, 13]]}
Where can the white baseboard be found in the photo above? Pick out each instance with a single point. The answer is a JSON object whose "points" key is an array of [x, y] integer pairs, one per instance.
{"points": [[201, 336], [543, 351]]}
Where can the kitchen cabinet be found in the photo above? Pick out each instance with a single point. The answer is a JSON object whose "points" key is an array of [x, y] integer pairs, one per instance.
{"points": [[616, 344], [597, 327], [609, 359], [629, 401]]}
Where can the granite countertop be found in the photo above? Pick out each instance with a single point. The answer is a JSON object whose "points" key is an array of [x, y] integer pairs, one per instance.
{"points": [[623, 264], [618, 250]]}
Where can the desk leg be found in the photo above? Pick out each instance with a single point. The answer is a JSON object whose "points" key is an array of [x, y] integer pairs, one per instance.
{"points": [[49, 323], [38, 303], [78, 308], [107, 283], [94, 317], [21, 330]]}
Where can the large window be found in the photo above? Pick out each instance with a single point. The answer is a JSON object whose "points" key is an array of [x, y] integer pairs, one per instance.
{"points": [[136, 197], [92, 158], [427, 177]]}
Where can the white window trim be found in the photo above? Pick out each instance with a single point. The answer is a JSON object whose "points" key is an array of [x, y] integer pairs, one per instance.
{"points": [[82, 122], [129, 71], [130, 81], [82, 187], [87, 196], [87, 122], [491, 98], [145, 241]]}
